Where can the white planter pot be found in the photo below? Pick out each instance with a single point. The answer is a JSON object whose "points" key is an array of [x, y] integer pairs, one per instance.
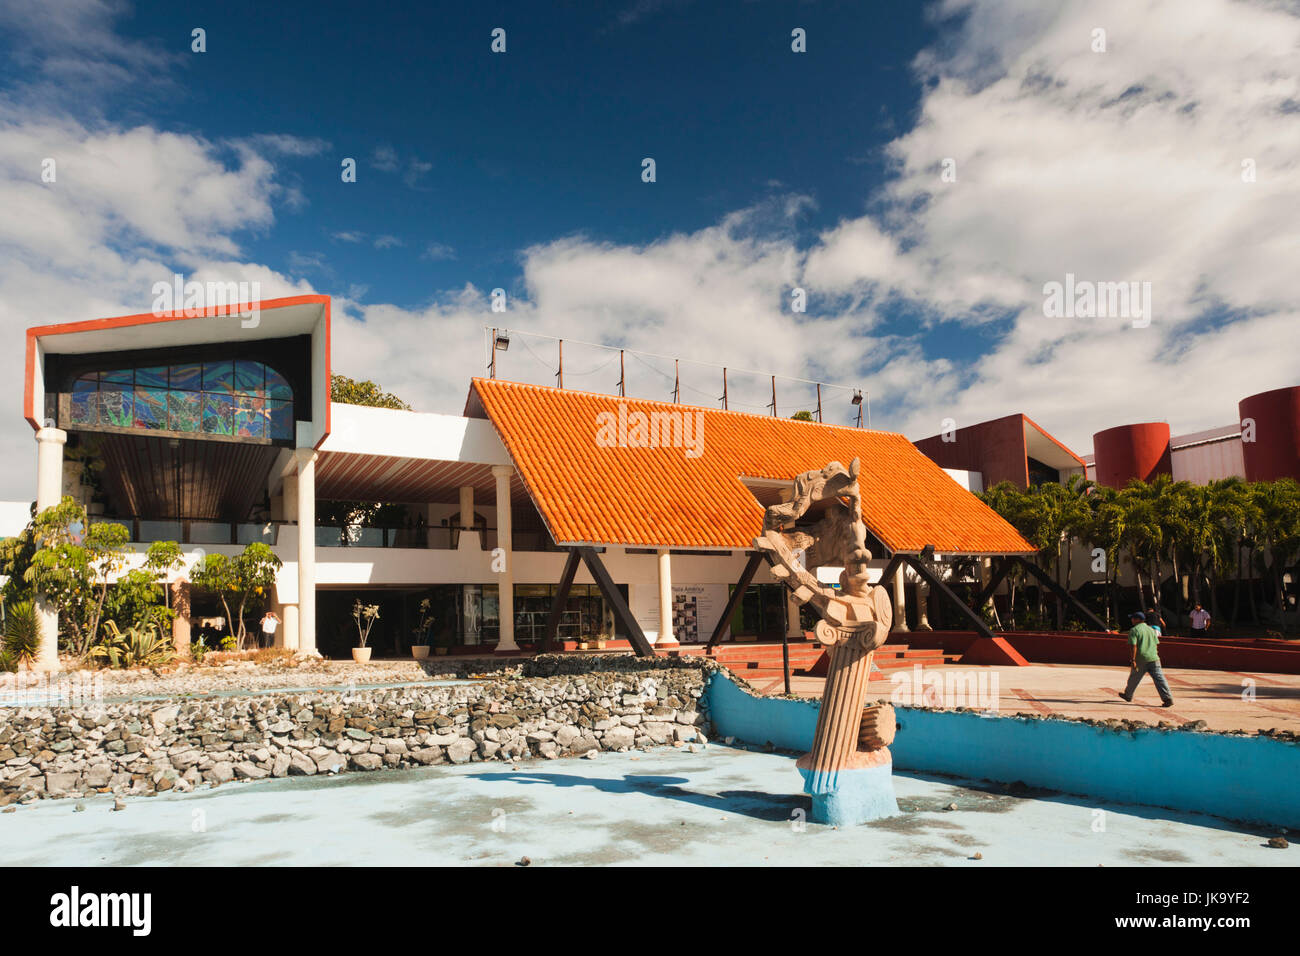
{"points": [[361, 654]]}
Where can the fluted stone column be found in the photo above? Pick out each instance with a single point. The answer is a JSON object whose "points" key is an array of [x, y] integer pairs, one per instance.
{"points": [[49, 492], [306, 550], [506, 580]]}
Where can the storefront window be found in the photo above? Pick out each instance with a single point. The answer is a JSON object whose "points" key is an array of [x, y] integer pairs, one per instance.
{"points": [[585, 616], [761, 611]]}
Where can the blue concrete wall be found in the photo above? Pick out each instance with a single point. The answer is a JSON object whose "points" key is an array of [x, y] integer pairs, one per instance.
{"points": [[1239, 778]]}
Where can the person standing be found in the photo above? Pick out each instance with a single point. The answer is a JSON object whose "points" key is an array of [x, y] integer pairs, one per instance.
{"points": [[1145, 659], [1200, 622], [270, 621]]}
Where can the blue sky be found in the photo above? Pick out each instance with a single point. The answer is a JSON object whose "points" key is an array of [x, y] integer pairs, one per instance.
{"points": [[1148, 141], [479, 155]]}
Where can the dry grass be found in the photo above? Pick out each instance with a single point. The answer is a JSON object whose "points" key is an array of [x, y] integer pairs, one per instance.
{"points": [[263, 655]]}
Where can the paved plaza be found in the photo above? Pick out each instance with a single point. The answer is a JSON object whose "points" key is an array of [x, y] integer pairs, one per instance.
{"points": [[1225, 700]]}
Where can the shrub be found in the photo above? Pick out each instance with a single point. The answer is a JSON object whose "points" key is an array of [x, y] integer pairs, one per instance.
{"points": [[22, 635], [136, 646]]}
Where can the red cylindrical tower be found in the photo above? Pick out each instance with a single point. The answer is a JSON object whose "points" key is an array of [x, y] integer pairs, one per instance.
{"points": [[1132, 451], [1270, 434]]}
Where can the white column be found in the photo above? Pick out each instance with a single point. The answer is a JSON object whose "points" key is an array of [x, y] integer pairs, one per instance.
{"points": [[306, 550], [666, 636], [900, 601], [289, 627], [49, 492], [506, 581], [923, 606]]}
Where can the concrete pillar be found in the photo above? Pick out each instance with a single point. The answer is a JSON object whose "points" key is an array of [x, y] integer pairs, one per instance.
{"points": [[506, 580], [306, 550], [923, 606], [792, 627], [467, 506], [900, 601], [289, 496], [986, 571], [666, 636], [180, 598], [49, 491], [288, 637]]}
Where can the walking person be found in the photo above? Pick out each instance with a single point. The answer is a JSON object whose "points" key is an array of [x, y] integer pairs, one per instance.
{"points": [[1155, 621], [1200, 622], [270, 621], [1145, 659]]}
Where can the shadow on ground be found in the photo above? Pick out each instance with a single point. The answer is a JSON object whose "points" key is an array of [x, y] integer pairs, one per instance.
{"points": [[772, 807]]}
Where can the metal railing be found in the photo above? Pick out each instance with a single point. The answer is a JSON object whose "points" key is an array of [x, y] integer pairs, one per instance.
{"points": [[203, 532]]}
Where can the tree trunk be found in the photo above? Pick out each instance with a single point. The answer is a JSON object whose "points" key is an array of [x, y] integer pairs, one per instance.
{"points": [[1250, 587]]}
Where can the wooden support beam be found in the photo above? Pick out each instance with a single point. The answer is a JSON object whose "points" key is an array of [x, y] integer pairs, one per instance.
{"points": [[932, 579], [622, 613], [561, 598], [746, 576], [1061, 593]]}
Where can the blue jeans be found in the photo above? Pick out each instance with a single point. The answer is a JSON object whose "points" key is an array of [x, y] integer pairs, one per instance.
{"points": [[1157, 676]]}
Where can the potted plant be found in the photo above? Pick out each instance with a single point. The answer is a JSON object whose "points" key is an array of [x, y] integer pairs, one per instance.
{"points": [[365, 616], [420, 649]]}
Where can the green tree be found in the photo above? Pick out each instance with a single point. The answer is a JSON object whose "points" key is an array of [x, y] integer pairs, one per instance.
{"points": [[238, 580], [72, 566], [141, 597], [802, 416], [350, 391]]}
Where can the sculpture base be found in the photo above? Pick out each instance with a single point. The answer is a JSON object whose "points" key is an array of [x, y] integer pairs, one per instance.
{"points": [[854, 795]]}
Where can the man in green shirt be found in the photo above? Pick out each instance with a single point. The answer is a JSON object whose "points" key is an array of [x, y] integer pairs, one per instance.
{"points": [[1145, 660]]}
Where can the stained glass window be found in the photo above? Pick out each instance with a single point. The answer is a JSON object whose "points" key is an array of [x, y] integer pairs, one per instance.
{"points": [[219, 377], [85, 400], [237, 397], [183, 411], [249, 420], [217, 415], [151, 377], [250, 378], [187, 377], [115, 406], [150, 407], [276, 385], [279, 419]]}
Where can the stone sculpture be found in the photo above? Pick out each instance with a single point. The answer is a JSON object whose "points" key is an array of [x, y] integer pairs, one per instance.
{"points": [[849, 770]]}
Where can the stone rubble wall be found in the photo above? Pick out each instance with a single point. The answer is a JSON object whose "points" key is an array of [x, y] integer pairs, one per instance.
{"points": [[548, 707]]}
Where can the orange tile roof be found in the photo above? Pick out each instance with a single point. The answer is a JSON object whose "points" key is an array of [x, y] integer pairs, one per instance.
{"points": [[659, 497]]}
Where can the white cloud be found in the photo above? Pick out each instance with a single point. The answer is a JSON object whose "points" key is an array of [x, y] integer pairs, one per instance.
{"points": [[436, 251]]}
